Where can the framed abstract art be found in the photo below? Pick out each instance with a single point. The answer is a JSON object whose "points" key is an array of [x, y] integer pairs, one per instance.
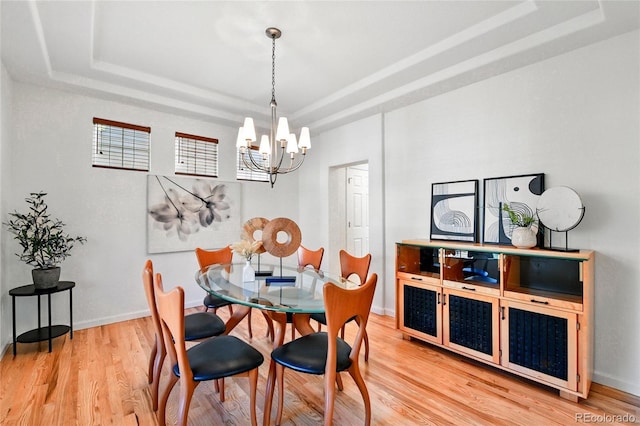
{"points": [[185, 213], [454, 208], [520, 192]]}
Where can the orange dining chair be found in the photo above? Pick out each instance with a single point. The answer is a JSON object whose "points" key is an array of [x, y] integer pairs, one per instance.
{"points": [[351, 265], [212, 257], [306, 258], [327, 353], [311, 258], [224, 256], [213, 359], [217, 257], [199, 325]]}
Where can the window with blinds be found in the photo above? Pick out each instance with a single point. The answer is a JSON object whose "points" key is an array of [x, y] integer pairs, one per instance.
{"points": [[244, 173], [119, 145], [196, 155]]}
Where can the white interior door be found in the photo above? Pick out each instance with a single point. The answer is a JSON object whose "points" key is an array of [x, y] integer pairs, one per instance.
{"points": [[357, 197]]}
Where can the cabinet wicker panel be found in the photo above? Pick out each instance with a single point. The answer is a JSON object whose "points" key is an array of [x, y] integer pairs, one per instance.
{"points": [[420, 310], [538, 342], [470, 324]]}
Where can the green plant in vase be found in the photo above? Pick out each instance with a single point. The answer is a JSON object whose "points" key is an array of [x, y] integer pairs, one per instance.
{"points": [[519, 218], [525, 231], [43, 240]]}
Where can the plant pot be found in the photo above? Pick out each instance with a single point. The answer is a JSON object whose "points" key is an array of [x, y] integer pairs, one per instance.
{"points": [[524, 237], [46, 278]]}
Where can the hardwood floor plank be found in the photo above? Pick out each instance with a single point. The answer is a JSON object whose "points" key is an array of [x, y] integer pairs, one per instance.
{"points": [[100, 378]]}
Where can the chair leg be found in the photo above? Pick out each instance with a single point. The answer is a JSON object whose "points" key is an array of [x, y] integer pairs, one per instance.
{"points": [[222, 390], [230, 309], [157, 370], [152, 360], [280, 383], [366, 346], [165, 397], [339, 382], [249, 324], [253, 386], [329, 396], [186, 392], [270, 332], [354, 371]]}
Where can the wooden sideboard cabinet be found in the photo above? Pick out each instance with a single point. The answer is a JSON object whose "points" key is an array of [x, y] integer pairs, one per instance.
{"points": [[527, 311]]}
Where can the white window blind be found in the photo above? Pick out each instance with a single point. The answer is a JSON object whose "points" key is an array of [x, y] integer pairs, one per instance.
{"points": [[244, 173], [196, 155], [119, 145]]}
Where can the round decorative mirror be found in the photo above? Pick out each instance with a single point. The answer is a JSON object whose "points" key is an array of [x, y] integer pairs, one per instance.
{"points": [[560, 209]]}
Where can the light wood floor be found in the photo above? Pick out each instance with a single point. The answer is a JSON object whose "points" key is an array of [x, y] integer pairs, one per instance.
{"points": [[99, 378]]}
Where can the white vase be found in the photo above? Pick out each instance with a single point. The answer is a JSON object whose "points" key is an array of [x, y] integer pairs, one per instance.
{"points": [[522, 237], [248, 274]]}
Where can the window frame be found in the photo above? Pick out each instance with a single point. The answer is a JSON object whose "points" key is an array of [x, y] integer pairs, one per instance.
{"points": [[141, 135], [201, 163], [242, 173]]}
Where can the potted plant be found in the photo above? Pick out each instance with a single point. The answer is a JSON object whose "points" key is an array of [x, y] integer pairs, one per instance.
{"points": [[525, 231], [43, 240]]}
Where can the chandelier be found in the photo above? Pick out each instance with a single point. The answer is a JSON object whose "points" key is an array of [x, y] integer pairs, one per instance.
{"points": [[273, 148]]}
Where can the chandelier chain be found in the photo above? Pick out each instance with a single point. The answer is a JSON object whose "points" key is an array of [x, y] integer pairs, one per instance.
{"points": [[273, 68]]}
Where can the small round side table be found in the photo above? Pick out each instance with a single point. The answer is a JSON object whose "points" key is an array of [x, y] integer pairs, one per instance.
{"points": [[42, 333]]}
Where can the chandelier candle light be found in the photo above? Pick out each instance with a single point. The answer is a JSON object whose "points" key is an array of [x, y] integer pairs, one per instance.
{"points": [[272, 156]]}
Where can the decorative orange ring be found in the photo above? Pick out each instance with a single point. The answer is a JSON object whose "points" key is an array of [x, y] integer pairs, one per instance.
{"points": [[270, 237], [250, 227]]}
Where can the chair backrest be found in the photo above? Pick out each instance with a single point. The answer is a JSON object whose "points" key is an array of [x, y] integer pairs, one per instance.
{"points": [[214, 257], [340, 306], [311, 258], [171, 310], [147, 280], [350, 265]]}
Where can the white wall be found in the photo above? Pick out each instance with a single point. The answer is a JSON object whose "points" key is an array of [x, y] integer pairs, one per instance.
{"points": [[51, 151], [357, 142], [574, 117], [5, 138]]}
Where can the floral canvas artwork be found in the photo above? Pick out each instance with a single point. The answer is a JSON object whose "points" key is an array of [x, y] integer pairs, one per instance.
{"points": [[185, 213]]}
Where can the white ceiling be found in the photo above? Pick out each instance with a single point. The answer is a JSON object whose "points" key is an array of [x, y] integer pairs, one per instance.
{"points": [[336, 61]]}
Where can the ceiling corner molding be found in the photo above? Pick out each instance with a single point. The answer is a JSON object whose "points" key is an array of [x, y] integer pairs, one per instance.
{"points": [[37, 25]]}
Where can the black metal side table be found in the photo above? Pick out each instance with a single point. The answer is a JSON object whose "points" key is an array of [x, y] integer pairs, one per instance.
{"points": [[42, 333]]}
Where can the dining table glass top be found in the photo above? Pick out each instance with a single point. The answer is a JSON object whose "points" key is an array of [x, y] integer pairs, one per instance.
{"points": [[276, 288]]}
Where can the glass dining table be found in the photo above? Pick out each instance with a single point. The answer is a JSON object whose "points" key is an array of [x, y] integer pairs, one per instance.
{"points": [[277, 291]]}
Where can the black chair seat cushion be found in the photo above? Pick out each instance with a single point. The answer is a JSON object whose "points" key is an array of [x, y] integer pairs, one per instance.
{"points": [[214, 302], [308, 354], [201, 325], [322, 318], [220, 357]]}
